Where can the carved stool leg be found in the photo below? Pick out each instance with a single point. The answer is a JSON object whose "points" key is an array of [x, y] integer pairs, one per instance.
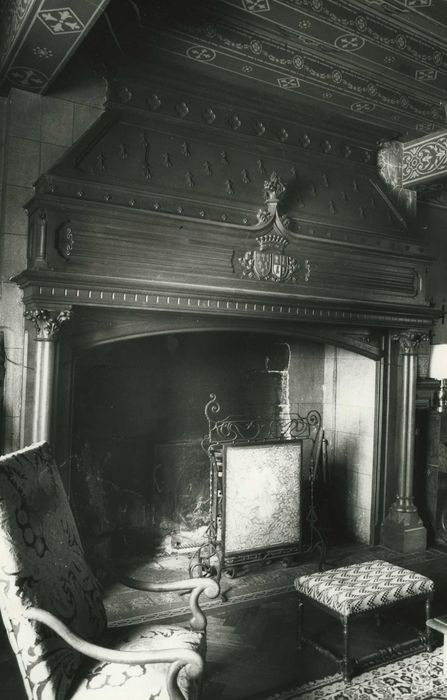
{"points": [[444, 658], [345, 661], [428, 632], [300, 623]]}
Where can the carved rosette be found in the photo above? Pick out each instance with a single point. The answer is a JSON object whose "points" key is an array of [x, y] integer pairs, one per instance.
{"points": [[47, 323], [409, 341]]}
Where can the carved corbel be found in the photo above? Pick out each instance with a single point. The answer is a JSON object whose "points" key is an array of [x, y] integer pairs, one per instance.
{"points": [[390, 164], [47, 323], [410, 340]]}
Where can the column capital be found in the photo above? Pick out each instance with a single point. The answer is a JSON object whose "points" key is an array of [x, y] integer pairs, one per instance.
{"points": [[47, 322], [409, 341]]}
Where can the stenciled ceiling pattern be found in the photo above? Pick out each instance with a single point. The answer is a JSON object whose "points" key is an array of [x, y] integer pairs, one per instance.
{"points": [[382, 61], [37, 37]]}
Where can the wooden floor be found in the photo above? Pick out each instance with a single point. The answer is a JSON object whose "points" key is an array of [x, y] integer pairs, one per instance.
{"points": [[252, 649]]}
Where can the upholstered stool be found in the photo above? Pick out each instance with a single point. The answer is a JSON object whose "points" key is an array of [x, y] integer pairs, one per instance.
{"points": [[351, 591]]}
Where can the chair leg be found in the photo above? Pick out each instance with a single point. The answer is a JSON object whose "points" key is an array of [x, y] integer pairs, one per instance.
{"points": [[300, 623], [345, 662]]}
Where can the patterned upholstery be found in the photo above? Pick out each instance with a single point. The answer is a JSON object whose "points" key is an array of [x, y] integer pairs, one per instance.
{"points": [[106, 681], [42, 565], [362, 587]]}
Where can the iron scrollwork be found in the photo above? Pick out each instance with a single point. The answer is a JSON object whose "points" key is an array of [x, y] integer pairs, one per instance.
{"points": [[210, 558]]}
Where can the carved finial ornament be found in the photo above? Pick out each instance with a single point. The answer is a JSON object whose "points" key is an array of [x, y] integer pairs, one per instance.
{"points": [[274, 187], [409, 341], [47, 323]]}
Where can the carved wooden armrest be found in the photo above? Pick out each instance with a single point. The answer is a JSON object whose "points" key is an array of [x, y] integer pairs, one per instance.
{"points": [[178, 658], [196, 586]]}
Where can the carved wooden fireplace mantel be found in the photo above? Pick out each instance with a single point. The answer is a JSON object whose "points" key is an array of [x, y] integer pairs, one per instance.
{"points": [[169, 217]]}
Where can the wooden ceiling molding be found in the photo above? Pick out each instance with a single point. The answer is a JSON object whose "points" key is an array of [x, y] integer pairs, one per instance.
{"points": [[37, 37]]}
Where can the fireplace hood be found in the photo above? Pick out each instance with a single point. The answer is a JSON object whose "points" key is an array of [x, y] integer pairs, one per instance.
{"points": [[201, 204]]}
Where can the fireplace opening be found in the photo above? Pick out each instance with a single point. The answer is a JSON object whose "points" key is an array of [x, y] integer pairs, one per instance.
{"points": [[140, 478]]}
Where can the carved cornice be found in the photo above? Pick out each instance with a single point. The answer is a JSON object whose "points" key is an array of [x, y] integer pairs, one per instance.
{"points": [[47, 322], [410, 340], [41, 293]]}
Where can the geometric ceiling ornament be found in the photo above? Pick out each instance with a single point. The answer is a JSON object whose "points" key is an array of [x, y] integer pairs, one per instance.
{"points": [[426, 74], [26, 78], [37, 39], [61, 21], [349, 42], [201, 53], [418, 3], [256, 5]]}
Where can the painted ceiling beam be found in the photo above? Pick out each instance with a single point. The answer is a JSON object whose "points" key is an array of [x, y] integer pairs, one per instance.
{"points": [[424, 160], [420, 164], [37, 37]]}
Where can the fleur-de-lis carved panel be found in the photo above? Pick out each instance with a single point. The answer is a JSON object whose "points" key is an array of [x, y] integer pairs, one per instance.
{"points": [[171, 164]]}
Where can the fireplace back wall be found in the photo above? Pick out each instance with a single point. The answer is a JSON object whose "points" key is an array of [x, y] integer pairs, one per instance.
{"points": [[140, 475]]}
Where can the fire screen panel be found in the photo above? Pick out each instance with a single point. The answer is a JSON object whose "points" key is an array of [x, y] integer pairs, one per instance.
{"points": [[262, 495]]}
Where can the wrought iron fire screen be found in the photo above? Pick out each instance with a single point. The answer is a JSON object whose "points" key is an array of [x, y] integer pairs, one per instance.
{"points": [[261, 489]]}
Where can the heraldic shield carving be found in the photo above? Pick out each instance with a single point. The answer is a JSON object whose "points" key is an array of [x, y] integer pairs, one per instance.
{"points": [[270, 262]]}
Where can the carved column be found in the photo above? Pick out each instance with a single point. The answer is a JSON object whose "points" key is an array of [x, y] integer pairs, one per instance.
{"points": [[47, 324], [403, 529]]}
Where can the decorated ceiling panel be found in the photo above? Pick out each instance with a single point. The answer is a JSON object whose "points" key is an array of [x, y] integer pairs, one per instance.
{"points": [[37, 37], [382, 62]]}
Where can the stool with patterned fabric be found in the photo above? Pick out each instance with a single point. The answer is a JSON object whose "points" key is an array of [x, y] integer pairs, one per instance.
{"points": [[358, 589]]}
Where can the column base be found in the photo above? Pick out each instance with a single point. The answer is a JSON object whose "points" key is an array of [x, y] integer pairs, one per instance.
{"points": [[404, 531]]}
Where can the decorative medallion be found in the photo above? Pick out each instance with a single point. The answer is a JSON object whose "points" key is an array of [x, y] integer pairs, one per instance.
{"points": [[362, 106], [201, 53], [154, 102], [61, 21], [182, 109], [42, 52], [349, 42], [209, 115], [27, 78], [426, 74], [65, 240], [270, 263], [418, 3], [288, 82], [256, 5]]}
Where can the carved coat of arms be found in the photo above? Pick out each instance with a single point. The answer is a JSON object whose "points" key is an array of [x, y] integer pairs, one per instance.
{"points": [[270, 263]]}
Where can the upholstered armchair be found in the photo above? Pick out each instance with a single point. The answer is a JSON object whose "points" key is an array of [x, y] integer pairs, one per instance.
{"points": [[53, 612]]}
